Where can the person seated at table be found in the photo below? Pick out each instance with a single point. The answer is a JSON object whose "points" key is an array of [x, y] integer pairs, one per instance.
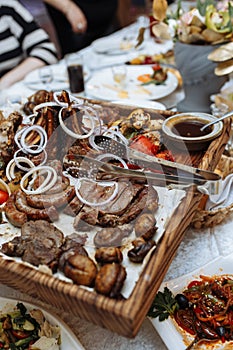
{"points": [[79, 22], [24, 46]]}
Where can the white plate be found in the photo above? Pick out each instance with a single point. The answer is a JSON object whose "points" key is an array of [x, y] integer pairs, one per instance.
{"points": [[167, 329], [60, 81], [68, 339], [113, 46], [141, 103], [102, 86]]}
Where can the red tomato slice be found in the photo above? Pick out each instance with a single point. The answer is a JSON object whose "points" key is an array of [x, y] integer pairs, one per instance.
{"points": [[19, 334], [3, 196], [144, 145], [156, 67], [194, 284]]}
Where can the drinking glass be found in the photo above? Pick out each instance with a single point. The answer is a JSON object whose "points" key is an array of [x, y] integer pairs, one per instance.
{"points": [[75, 72], [218, 111], [119, 74], [46, 76]]}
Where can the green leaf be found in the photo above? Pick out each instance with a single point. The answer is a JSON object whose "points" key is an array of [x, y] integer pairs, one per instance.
{"points": [[155, 82], [202, 5], [164, 305]]}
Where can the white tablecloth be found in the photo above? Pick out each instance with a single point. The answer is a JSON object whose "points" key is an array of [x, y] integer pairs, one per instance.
{"points": [[94, 61], [206, 244]]}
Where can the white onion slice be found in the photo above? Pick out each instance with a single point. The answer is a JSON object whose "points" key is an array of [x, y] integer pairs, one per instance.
{"points": [[70, 132], [44, 104], [43, 139], [93, 144], [10, 168], [56, 99], [46, 185], [97, 131], [72, 179], [112, 156], [18, 134], [114, 131], [95, 116], [28, 161], [102, 183], [27, 119]]}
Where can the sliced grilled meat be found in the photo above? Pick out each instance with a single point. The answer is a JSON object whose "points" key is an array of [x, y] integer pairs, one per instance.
{"points": [[40, 243], [74, 207]]}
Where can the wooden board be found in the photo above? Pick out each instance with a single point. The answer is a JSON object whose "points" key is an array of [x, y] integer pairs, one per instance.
{"points": [[121, 316]]}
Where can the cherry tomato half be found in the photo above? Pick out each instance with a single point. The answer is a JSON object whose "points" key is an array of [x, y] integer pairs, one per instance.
{"points": [[3, 196], [194, 284]]}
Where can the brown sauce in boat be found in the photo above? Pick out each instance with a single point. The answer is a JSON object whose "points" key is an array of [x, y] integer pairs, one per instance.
{"points": [[190, 129]]}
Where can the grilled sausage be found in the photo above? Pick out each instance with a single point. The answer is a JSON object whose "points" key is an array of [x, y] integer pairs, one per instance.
{"points": [[49, 214], [14, 216], [47, 200]]}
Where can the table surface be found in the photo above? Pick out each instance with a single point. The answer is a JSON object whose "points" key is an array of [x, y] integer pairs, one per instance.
{"points": [[207, 243]]}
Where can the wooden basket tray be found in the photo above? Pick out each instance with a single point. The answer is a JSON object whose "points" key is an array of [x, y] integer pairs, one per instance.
{"points": [[121, 316]]}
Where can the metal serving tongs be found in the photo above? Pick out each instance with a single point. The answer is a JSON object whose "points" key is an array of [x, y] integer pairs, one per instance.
{"points": [[107, 144], [87, 167]]}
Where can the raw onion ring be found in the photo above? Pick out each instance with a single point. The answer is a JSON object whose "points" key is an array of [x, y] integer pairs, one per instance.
{"points": [[43, 139], [22, 167], [10, 168], [27, 119], [46, 185], [44, 104], [18, 134], [71, 133], [102, 183], [23, 134], [112, 156], [95, 117], [110, 132]]}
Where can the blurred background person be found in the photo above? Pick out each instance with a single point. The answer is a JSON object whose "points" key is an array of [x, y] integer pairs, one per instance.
{"points": [[79, 22], [24, 46]]}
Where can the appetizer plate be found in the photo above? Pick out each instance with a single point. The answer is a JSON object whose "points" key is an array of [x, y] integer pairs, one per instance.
{"points": [[68, 339], [102, 86], [168, 330], [113, 46], [59, 82]]}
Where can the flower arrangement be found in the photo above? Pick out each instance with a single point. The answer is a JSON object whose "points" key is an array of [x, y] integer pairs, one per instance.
{"points": [[210, 22]]}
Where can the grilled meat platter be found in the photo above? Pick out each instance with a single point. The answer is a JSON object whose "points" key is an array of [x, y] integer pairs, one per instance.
{"points": [[96, 232]]}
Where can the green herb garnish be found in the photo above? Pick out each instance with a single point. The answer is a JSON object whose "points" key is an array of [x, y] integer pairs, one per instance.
{"points": [[163, 306], [155, 82]]}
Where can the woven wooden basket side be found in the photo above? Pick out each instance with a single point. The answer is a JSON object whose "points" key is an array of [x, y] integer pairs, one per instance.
{"points": [[204, 218]]}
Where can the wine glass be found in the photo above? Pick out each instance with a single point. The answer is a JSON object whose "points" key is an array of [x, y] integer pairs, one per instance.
{"points": [[46, 76], [119, 74]]}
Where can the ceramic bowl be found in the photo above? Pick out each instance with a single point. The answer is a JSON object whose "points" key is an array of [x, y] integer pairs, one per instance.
{"points": [[182, 130]]}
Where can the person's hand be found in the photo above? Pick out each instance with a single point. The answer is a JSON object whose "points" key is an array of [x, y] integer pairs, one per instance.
{"points": [[76, 18]]}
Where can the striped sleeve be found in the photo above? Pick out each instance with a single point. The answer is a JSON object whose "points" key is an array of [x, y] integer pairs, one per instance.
{"points": [[21, 37]]}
